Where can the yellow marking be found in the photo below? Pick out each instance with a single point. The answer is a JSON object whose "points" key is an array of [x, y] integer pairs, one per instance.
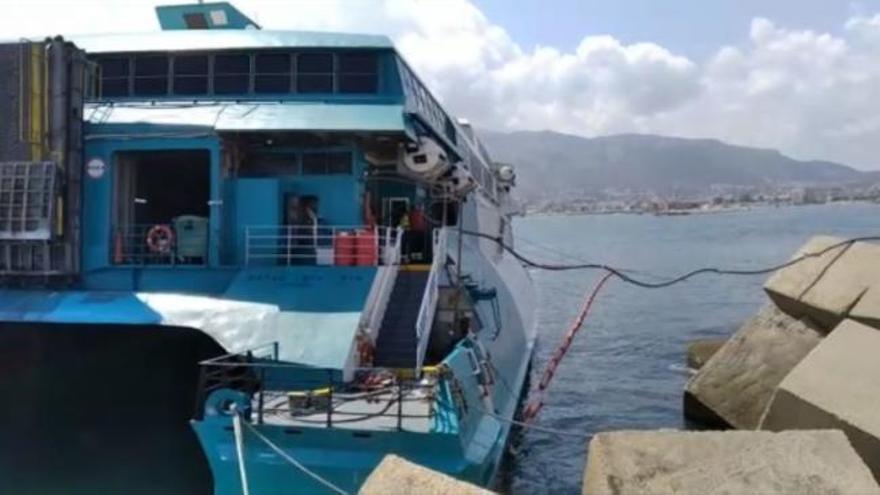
{"points": [[315, 392], [416, 268]]}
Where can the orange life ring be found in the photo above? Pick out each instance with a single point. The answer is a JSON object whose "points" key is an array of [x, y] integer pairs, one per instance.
{"points": [[160, 238]]}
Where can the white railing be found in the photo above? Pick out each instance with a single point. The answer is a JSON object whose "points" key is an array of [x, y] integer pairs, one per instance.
{"points": [[383, 284], [316, 245], [429, 300]]}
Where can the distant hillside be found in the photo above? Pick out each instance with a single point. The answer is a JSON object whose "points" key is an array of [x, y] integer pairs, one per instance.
{"points": [[550, 163]]}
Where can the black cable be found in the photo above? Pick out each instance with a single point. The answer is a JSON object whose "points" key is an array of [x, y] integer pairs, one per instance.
{"points": [[666, 283]]}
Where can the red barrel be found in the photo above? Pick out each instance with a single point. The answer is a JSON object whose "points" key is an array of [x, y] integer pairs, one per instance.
{"points": [[344, 248], [366, 250]]}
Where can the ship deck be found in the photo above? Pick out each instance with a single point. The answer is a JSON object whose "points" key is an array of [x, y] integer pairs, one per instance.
{"points": [[381, 411]]}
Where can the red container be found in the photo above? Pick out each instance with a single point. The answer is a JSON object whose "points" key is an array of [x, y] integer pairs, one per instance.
{"points": [[366, 248], [344, 248]]}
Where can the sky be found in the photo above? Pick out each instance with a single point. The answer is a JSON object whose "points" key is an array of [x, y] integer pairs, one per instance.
{"points": [[801, 76]]}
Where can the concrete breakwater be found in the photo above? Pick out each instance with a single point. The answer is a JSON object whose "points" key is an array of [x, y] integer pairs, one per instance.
{"points": [[799, 384]]}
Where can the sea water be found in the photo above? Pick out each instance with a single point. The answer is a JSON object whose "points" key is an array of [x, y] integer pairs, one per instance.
{"points": [[626, 369]]}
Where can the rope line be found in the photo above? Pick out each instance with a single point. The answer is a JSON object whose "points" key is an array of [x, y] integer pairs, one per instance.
{"points": [[666, 283], [294, 462]]}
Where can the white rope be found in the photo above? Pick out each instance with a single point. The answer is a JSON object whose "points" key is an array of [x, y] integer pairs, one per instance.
{"points": [[293, 461], [239, 450]]}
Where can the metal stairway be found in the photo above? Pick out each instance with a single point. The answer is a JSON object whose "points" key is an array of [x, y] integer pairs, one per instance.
{"points": [[397, 341]]}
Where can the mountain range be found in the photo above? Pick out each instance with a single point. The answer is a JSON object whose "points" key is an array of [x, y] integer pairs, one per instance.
{"points": [[549, 163]]}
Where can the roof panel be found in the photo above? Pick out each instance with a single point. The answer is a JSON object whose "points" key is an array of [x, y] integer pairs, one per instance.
{"points": [[224, 39], [257, 116]]}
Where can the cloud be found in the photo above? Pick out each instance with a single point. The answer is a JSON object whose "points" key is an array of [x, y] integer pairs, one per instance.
{"points": [[807, 93]]}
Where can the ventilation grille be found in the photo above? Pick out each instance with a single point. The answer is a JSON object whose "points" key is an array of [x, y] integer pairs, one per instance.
{"points": [[27, 200]]}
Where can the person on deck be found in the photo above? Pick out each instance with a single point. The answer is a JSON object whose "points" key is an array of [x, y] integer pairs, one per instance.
{"points": [[418, 226]]}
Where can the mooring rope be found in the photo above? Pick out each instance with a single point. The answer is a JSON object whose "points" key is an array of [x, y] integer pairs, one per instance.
{"points": [[239, 440]]}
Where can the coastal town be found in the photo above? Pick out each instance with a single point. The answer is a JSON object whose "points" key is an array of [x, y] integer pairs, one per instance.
{"points": [[714, 200]]}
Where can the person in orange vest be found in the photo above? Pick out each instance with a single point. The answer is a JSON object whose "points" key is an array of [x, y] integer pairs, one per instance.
{"points": [[418, 226]]}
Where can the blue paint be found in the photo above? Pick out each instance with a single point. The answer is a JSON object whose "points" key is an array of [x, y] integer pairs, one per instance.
{"points": [[217, 15]]}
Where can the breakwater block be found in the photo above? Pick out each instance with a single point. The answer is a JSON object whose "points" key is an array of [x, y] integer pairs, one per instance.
{"points": [[735, 385], [826, 287], [836, 386], [699, 351], [397, 476], [867, 310], [804, 462]]}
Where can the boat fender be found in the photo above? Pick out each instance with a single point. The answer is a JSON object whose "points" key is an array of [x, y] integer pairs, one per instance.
{"points": [[220, 403], [160, 238]]}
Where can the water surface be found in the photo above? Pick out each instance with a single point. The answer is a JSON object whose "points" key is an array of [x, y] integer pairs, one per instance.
{"points": [[625, 370]]}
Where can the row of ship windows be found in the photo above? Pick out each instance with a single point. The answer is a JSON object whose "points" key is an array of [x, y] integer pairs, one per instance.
{"points": [[309, 163], [239, 74]]}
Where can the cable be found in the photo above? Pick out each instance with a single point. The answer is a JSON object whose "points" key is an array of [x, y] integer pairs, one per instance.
{"points": [[293, 461], [666, 283]]}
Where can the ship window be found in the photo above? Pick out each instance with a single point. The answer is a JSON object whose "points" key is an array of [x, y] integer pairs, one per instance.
{"points": [[314, 73], [358, 73], [231, 74], [324, 163], [191, 75], [114, 76], [272, 73], [195, 21], [150, 75]]}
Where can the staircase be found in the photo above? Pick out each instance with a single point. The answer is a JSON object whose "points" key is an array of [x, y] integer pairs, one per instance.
{"points": [[397, 342]]}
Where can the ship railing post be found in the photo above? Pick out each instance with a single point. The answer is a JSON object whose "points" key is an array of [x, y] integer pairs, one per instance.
{"points": [[260, 402], [330, 398], [399, 403]]}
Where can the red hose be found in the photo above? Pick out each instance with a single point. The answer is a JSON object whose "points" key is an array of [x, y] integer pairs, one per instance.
{"points": [[537, 400]]}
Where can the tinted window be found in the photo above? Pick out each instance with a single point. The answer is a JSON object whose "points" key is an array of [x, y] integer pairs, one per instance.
{"points": [[231, 74], [150, 75], [314, 73], [358, 73], [114, 76], [272, 73], [191, 75], [326, 163]]}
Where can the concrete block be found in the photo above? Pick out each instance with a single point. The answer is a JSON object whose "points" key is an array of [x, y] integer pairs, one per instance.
{"points": [[699, 351], [736, 384], [397, 476], [730, 462], [826, 287], [867, 310], [836, 386]]}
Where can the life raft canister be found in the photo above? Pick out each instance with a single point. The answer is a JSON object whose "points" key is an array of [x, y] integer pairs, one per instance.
{"points": [[366, 249], [160, 238], [344, 248]]}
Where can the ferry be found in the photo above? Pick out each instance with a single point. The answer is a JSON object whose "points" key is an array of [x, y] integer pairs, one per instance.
{"points": [[236, 260]]}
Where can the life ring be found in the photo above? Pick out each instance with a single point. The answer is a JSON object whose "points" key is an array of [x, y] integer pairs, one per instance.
{"points": [[160, 238]]}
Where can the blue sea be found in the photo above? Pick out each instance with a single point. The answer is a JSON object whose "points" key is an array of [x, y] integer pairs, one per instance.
{"points": [[626, 368]]}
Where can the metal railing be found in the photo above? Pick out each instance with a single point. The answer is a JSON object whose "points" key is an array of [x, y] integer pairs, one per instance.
{"points": [[428, 307], [318, 245], [158, 244], [383, 285], [260, 375]]}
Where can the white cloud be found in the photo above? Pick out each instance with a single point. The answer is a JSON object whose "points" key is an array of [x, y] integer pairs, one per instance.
{"points": [[807, 93]]}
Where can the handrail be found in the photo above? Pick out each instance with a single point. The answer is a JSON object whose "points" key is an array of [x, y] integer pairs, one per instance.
{"points": [[260, 375], [312, 244], [429, 301], [380, 292]]}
